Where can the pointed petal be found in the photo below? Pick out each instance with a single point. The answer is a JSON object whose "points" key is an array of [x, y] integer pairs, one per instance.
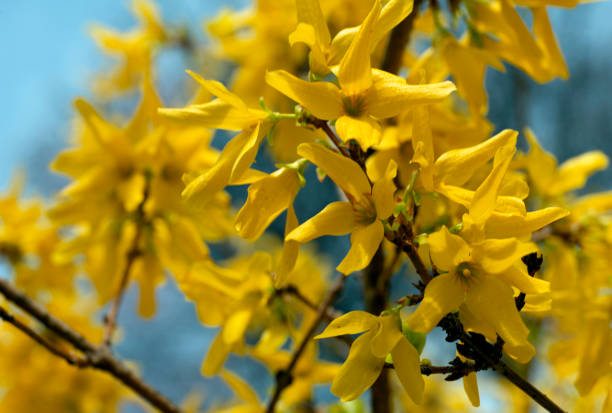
{"points": [[350, 323], [503, 226], [387, 336], [219, 90], [383, 191], [214, 114], [290, 252], [309, 12], [364, 243], [422, 146], [322, 99], [345, 172], [484, 201], [517, 276], [407, 365], [266, 200], [365, 130], [240, 387], [336, 218], [355, 71], [359, 371], [217, 354], [443, 294], [447, 250], [470, 386], [456, 166], [390, 95], [493, 300], [497, 255]]}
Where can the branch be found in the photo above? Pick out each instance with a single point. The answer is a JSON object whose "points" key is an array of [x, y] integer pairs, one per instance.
{"points": [[133, 253], [285, 377], [51, 347], [97, 357], [321, 124]]}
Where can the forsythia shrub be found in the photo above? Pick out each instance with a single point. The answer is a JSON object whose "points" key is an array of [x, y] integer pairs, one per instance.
{"points": [[505, 258]]}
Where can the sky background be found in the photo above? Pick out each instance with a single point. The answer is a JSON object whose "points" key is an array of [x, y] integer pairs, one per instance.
{"points": [[47, 59]]}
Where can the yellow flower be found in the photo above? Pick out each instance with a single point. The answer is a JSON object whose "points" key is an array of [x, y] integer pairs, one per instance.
{"points": [[361, 216], [365, 94], [381, 336], [228, 111]]}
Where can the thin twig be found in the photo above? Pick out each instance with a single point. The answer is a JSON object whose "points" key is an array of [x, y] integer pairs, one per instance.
{"points": [[284, 377], [98, 357], [131, 256], [51, 347], [322, 124]]}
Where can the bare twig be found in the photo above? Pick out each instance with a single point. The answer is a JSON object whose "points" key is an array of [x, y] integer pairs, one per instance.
{"points": [[285, 377], [321, 124], [98, 357], [51, 347]]}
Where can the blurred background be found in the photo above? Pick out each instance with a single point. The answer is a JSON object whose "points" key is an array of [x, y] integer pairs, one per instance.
{"points": [[47, 59]]}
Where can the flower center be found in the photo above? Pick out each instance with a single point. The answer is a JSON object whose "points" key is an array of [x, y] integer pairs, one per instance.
{"points": [[364, 209], [464, 271], [353, 105]]}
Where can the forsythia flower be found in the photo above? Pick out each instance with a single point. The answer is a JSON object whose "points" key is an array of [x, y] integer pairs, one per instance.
{"points": [[361, 216], [381, 336]]}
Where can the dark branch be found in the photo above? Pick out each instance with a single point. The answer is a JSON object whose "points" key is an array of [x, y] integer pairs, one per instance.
{"points": [[97, 357]]}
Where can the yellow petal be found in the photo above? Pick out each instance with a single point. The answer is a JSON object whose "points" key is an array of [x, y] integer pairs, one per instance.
{"points": [[383, 191], [364, 243], [387, 336], [470, 386], [131, 191], [422, 146], [518, 226], [493, 300], [345, 172], [574, 172], [240, 387], [322, 99], [236, 325], [350, 323], [484, 201], [497, 255], [355, 71], [336, 218], [443, 294], [266, 200], [359, 371], [545, 37], [244, 145], [290, 252], [456, 166], [219, 90], [309, 12], [407, 366], [390, 95], [365, 130], [517, 276], [447, 250], [217, 354], [214, 114]]}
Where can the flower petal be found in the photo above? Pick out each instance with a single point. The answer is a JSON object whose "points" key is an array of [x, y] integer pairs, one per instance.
{"points": [[503, 226], [322, 99], [336, 218], [470, 386], [383, 191], [387, 336], [345, 172], [517, 276], [443, 294], [359, 371], [447, 250], [355, 71], [497, 255], [350, 323], [407, 364], [290, 252], [364, 243]]}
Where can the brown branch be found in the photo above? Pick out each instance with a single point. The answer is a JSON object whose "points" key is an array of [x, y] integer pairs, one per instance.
{"points": [[285, 377], [98, 357], [51, 347], [400, 37], [322, 124], [132, 254]]}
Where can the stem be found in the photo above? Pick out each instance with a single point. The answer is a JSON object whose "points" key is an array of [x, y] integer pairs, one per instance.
{"points": [[400, 37], [133, 253], [97, 357], [285, 377], [321, 124], [375, 291], [51, 347]]}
